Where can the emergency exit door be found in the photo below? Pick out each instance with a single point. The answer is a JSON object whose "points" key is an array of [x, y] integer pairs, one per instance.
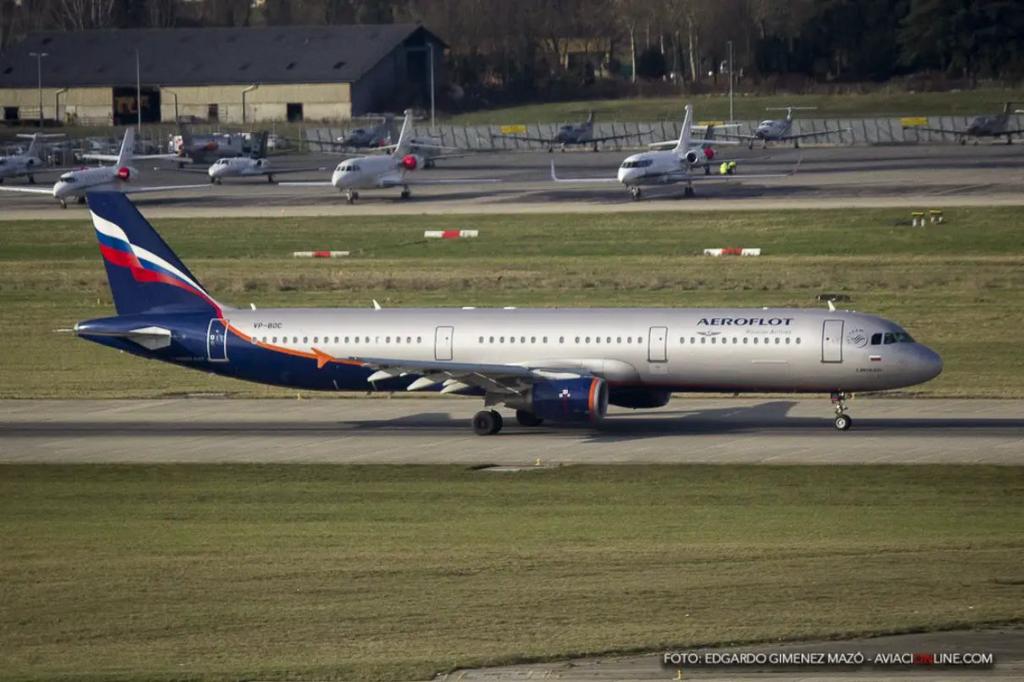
{"points": [[657, 340], [832, 341], [443, 343]]}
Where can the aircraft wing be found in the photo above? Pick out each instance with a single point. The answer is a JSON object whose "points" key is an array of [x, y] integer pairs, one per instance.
{"points": [[670, 144], [436, 181], [936, 130], [138, 157], [576, 181], [461, 376], [802, 136], [140, 190], [307, 183], [523, 138], [99, 157], [26, 190], [614, 137]]}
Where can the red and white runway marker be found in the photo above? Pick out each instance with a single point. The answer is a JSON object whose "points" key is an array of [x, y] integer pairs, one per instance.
{"points": [[732, 252], [451, 234], [319, 254]]}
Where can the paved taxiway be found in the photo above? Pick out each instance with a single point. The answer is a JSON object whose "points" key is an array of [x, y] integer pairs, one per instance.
{"points": [[918, 176], [436, 430], [1005, 644]]}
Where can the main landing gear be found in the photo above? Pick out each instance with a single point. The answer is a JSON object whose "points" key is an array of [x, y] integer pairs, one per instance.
{"points": [[405, 193], [487, 422], [635, 193], [843, 421], [351, 196], [688, 192]]}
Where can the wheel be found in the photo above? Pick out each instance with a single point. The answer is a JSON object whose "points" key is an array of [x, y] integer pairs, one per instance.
{"points": [[528, 418], [81, 200], [213, 181], [843, 422], [635, 193], [405, 194], [963, 140], [63, 204], [350, 197], [31, 179], [270, 178], [796, 145], [487, 423], [688, 193], [707, 169]]}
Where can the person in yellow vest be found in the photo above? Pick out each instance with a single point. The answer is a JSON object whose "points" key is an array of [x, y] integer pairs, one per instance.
{"points": [[727, 168]]}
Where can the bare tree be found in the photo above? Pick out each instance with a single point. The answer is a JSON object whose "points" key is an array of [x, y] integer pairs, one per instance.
{"points": [[80, 15]]}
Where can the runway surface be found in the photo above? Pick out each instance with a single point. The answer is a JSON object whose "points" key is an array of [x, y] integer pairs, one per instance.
{"points": [[919, 176], [1005, 644], [435, 430]]}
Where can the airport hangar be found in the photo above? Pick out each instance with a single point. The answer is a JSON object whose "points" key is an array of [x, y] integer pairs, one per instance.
{"points": [[232, 75]]}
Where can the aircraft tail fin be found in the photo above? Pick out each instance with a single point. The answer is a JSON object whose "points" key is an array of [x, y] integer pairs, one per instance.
{"points": [[144, 274], [686, 132], [124, 157], [404, 137], [32, 146]]}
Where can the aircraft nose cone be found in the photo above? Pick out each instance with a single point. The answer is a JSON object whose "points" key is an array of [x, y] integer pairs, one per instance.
{"points": [[928, 363]]}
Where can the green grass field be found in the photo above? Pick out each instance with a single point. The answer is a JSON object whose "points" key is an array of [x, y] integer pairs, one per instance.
{"points": [[384, 573], [752, 107], [955, 287]]}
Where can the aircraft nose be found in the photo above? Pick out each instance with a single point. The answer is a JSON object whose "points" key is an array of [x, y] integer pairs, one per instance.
{"points": [[927, 362]]}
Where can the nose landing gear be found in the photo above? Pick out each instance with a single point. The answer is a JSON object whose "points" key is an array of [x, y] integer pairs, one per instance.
{"points": [[635, 193], [350, 196], [843, 421]]}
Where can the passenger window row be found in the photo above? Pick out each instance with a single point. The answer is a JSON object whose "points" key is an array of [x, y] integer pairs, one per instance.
{"points": [[523, 340], [735, 340], [294, 340]]}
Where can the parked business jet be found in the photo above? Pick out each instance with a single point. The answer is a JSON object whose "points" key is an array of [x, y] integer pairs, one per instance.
{"points": [[559, 364], [664, 167], [27, 163], [248, 167], [383, 171], [119, 177]]}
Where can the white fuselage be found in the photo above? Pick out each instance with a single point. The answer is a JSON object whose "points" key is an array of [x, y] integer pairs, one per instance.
{"points": [[18, 165], [786, 350], [77, 182], [369, 172], [773, 130], [653, 168], [238, 167]]}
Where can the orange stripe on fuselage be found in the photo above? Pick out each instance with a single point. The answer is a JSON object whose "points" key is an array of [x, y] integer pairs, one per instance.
{"points": [[320, 357]]}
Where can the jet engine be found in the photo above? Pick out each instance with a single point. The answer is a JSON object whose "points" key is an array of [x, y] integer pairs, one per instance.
{"points": [[638, 397], [411, 162], [700, 155], [570, 400], [124, 172]]}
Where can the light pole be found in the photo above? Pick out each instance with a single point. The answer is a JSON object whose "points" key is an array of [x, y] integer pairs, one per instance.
{"points": [[430, 46], [731, 119], [39, 72]]}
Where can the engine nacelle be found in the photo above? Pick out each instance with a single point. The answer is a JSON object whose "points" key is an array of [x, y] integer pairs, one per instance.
{"points": [[124, 172], [699, 155], [411, 162], [570, 400], [638, 397]]}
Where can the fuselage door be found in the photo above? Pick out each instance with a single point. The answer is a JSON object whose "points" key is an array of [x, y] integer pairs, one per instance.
{"points": [[217, 341], [832, 341], [657, 340], [443, 343]]}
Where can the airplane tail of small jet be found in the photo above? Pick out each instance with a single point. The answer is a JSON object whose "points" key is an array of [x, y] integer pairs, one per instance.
{"points": [[145, 275], [686, 132], [1007, 107], [405, 136], [124, 157]]}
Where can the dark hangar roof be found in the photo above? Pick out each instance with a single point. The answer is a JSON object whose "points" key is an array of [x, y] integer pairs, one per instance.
{"points": [[207, 56]]}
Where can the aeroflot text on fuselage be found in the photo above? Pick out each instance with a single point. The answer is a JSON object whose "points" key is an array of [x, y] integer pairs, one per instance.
{"points": [[745, 321]]}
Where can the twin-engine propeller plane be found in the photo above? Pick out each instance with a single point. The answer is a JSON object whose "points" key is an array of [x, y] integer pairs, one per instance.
{"points": [[666, 166], [384, 171], [560, 365], [120, 177]]}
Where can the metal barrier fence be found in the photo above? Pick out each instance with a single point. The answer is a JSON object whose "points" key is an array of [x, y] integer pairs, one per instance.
{"points": [[862, 131]]}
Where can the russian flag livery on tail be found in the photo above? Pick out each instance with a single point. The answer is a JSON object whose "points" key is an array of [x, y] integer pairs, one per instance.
{"points": [[557, 364], [145, 275]]}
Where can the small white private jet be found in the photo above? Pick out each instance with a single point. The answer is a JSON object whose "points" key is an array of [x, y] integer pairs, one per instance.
{"points": [[118, 178], [666, 167], [248, 167], [385, 171], [27, 163]]}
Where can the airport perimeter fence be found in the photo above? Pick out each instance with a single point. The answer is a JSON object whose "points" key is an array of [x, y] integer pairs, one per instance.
{"points": [[862, 132]]}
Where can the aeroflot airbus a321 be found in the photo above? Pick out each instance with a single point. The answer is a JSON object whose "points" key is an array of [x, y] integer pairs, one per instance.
{"points": [[559, 364]]}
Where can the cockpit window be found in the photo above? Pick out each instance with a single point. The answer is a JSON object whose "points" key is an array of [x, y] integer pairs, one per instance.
{"points": [[69, 178], [642, 163], [890, 337]]}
